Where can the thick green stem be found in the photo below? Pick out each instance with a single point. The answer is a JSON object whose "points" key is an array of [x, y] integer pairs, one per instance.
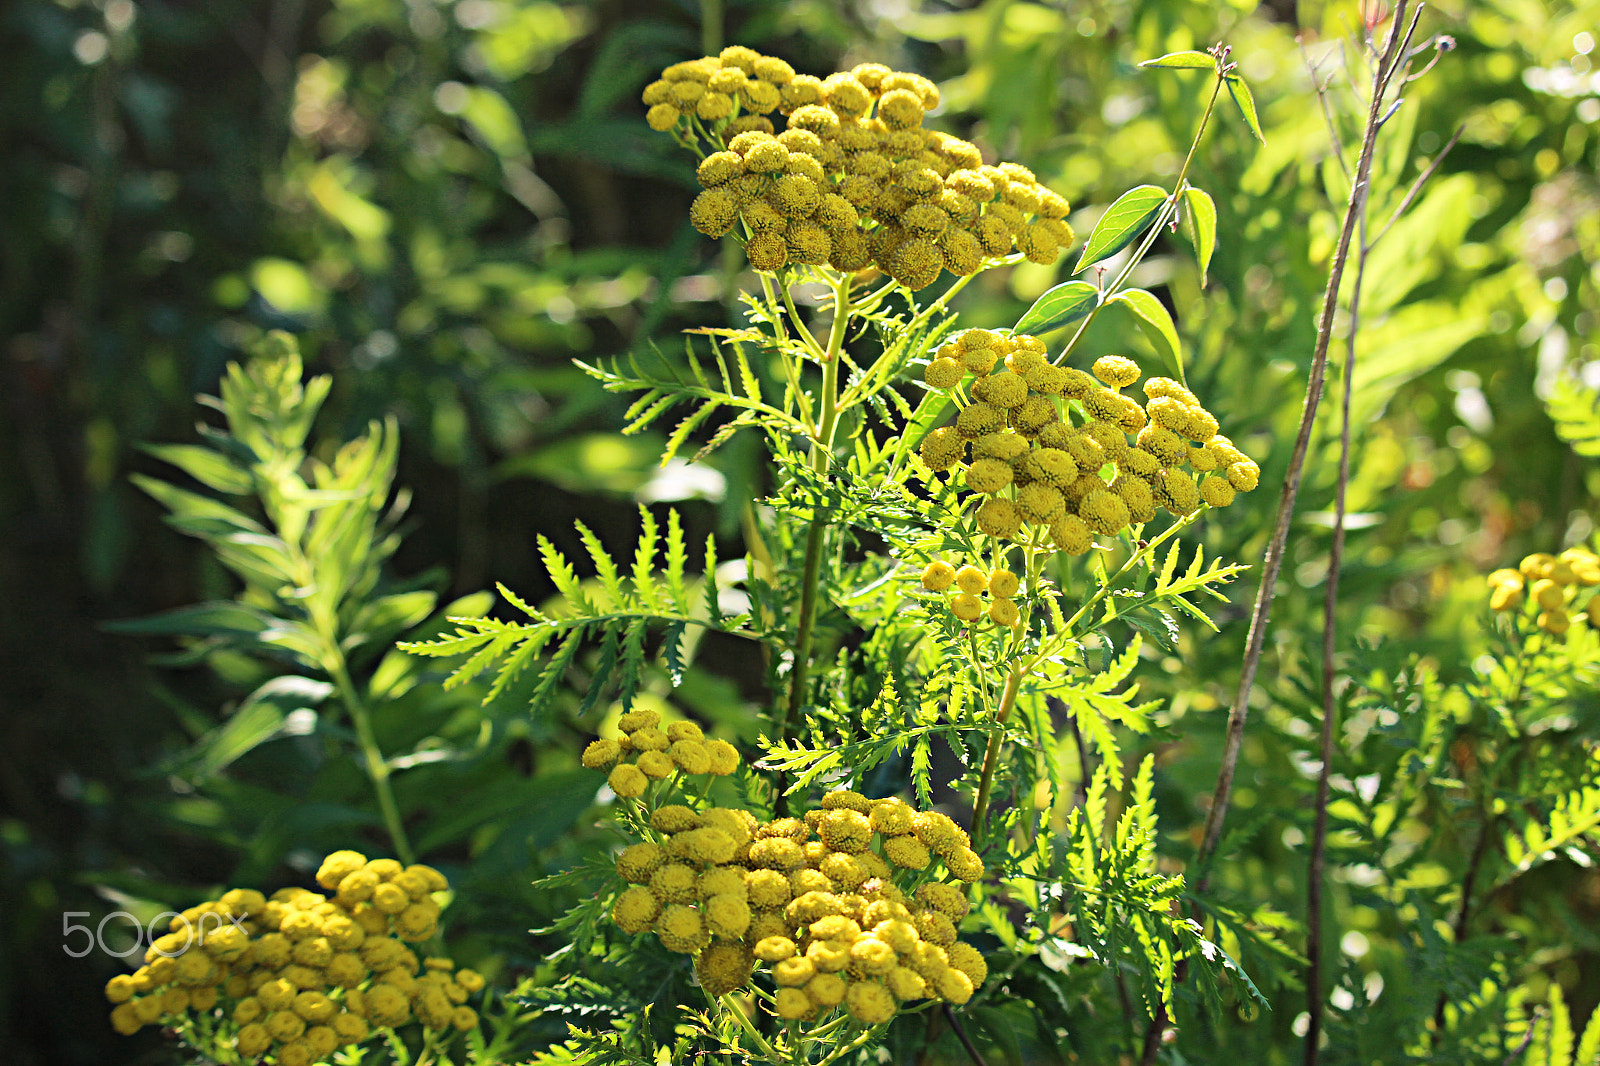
{"points": [[991, 755], [711, 26], [855, 1044], [750, 1030], [821, 457], [377, 768], [809, 579]]}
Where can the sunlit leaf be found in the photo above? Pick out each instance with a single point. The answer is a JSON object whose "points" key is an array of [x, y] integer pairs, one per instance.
{"points": [[1247, 105], [1061, 306], [1183, 61], [1203, 219], [1153, 317], [1128, 216]]}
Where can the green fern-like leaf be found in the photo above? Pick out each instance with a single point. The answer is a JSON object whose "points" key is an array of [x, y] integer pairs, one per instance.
{"points": [[1574, 815], [1575, 409], [614, 612]]}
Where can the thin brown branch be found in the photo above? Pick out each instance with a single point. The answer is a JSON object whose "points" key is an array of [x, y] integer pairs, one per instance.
{"points": [[1272, 565], [1321, 88], [1527, 1038], [1464, 914], [1152, 1033], [961, 1035], [1416, 187], [1330, 707]]}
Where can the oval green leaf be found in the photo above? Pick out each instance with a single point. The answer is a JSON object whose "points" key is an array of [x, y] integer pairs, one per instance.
{"points": [[1152, 317], [1183, 61], [1246, 102], [1203, 219], [1124, 220], [1062, 305]]}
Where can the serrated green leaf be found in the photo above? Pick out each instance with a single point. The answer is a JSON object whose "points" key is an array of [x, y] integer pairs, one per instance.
{"points": [[554, 671], [1156, 322], [1203, 227], [513, 665], [1246, 102], [601, 674], [566, 581], [1061, 306], [605, 569], [1575, 410], [686, 427], [644, 561], [672, 652], [1182, 61], [1127, 217], [677, 559]]}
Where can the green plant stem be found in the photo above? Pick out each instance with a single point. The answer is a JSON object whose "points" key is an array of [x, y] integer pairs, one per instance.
{"points": [[991, 754], [872, 380], [1168, 212], [846, 1049], [817, 351], [377, 767], [711, 26], [1105, 589], [733, 1008], [821, 457]]}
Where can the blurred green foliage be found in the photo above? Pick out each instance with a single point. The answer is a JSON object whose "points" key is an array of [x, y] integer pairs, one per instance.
{"points": [[451, 201]]}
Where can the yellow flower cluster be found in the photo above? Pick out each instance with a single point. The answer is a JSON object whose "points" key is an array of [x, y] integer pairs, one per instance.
{"points": [[853, 179], [971, 583], [302, 974], [1042, 438], [814, 898], [1551, 584], [657, 753]]}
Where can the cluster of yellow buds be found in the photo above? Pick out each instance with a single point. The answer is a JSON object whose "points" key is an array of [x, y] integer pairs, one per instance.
{"points": [[1043, 435], [657, 754], [814, 898], [303, 974], [971, 583], [1551, 584], [853, 179]]}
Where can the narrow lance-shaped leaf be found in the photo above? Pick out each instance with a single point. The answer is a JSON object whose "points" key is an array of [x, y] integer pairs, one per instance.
{"points": [[1153, 318], [209, 467], [1061, 306], [261, 717], [1203, 222], [1183, 61], [1127, 217], [217, 618], [512, 666], [1247, 104]]}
